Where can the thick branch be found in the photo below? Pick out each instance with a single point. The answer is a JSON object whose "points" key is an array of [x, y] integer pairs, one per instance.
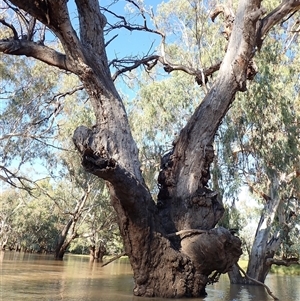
{"points": [[107, 168], [188, 231], [91, 17], [274, 17], [34, 50], [55, 15]]}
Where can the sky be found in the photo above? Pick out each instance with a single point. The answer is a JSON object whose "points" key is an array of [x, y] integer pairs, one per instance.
{"points": [[126, 44]]}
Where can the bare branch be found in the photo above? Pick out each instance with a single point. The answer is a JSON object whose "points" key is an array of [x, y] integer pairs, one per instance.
{"points": [[148, 61], [19, 182], [151, 61], [31, 49], [126, 25], [11, 27], [109, 41], [274, 17], [113, 259], [284, 262]]}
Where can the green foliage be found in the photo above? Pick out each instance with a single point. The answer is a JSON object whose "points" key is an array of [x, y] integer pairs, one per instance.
{"points": [[157, 114], [40, 109], [283, 270], [259, 138], [186, 24], [30, 221], [27, 109]]}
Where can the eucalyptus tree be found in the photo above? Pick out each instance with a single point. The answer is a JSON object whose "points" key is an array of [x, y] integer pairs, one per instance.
{"points": [[260, 141], [163, 242], [31, 103], [80, 196], [10, 203], [28, 223], [244, 148]]}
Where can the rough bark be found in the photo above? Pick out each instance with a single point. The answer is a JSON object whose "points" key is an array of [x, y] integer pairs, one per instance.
{"points": [[163, 265], [62, 243]]}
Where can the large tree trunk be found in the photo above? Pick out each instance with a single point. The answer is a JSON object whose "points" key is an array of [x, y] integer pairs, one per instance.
{"points": [[164, 263]]}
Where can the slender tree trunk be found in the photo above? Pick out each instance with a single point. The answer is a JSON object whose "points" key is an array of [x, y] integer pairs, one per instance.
{"points": [[60, 248], [265, 244], [258, 266], [97, 254], [63, 244]]}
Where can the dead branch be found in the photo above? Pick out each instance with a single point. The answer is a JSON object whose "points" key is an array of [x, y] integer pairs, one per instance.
{"points": [[284, 262], [128, 26], [257, 282], [149, 62], [113, 259], [11, 27], [189, 231], [19, 182]]}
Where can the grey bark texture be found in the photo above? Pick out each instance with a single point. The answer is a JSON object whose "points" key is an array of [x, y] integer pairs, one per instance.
{"points": [[163, 265]]}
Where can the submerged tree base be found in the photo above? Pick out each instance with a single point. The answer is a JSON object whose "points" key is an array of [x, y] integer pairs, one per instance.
{"points": [[185, 272]]}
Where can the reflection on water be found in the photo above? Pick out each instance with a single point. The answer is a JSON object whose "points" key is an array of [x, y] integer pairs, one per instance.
{"points": [[29, 277]]}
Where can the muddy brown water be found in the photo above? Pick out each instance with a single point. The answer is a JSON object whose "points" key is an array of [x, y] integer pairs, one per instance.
{"points": [[30, 277]]}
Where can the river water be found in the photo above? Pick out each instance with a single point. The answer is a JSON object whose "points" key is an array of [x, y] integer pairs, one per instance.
{"points": [[31, 277]]}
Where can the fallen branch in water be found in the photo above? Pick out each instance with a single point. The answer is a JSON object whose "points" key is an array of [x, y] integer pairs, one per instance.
{"points": [[258, 282], [113, 259]]}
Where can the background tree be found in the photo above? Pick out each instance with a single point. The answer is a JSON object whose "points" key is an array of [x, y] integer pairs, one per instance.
{"points": [[164, 263], [25, 224], [10, 204], [28, 114], [30, 223], [263, 152]]}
